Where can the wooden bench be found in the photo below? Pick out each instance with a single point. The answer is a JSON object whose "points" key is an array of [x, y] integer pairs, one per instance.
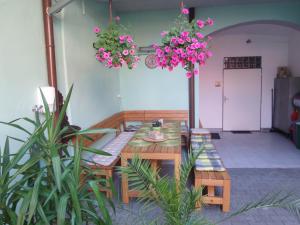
{"points": [[210, 180], [115, 121], [119, 121]]}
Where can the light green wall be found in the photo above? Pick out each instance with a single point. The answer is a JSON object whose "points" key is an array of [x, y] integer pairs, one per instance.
{"points": [[95, 87], [23, 66], [144, 88], [22, 59]]}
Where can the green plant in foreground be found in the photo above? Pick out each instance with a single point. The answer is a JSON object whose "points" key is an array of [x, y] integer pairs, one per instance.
{"points": [[178, 202], [41, 183]]}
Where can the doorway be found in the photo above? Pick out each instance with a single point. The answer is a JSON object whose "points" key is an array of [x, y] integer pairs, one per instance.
{"points": [[242, 99]]}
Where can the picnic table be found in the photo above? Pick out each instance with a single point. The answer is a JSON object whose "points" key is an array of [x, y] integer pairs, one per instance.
{"points": [[169, 149]]}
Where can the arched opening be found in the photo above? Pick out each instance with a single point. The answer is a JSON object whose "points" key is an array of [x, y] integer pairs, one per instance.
{"points": [[277, 44]]}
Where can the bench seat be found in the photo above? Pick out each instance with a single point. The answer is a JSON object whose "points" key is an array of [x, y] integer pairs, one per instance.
{"points": [[104, 165], [114, 147]]}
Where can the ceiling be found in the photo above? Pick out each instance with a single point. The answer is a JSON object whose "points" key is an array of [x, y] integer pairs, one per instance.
{"points": [[138, 5]]}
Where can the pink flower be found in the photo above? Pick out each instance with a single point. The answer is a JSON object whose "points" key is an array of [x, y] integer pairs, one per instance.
{"points": [[136, 59], [201, 56], [200, 23], [167, 49], [101, 50], [174, 40], [164, 33], [109, 63], [189, 74], [194, 40], [125, 52], [159, 52], [199, 35], [180, 41], [97, 30], [117, 18], [196, 72], [122, 61], [129, 39], [122, 38], [197, 45], [193, 60], [209, 21], [185, 11], [131, 52], [106, 55], [203, 45], [185, 34], [98, 57]]}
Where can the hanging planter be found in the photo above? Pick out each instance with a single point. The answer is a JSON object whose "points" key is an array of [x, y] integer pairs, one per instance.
{"points": [[184, 45], [115, 47]]}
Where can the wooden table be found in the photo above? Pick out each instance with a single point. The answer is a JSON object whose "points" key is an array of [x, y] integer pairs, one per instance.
{"points": [[153, 152]]}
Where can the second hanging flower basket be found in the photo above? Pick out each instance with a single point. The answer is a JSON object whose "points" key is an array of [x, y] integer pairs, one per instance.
{"points": [[184, 45]]}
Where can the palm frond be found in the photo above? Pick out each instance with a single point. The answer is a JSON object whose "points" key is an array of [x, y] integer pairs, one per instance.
{"points": [[281, 200]]}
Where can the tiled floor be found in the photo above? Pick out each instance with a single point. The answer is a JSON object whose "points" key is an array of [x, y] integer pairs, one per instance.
{"points": [[248, 185], [257, 150], [259, 163]]}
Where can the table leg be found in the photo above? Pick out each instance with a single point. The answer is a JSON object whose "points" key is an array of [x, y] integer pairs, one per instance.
{"points": [[154, 164], [125, 197], [177, 165]]}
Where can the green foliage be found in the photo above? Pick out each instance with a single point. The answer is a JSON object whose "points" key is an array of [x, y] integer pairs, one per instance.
{"points": [[41, 183], [115, 47], [178, 202]]}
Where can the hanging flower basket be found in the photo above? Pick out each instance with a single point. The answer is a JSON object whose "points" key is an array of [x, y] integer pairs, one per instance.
{"points": [[184, 45], [115, 48]]}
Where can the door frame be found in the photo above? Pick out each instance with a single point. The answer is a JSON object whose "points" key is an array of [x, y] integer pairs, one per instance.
{"points": [[260, 104]]}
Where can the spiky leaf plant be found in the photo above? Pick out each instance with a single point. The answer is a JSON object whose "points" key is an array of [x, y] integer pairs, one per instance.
{"points": [[178, 202], [41, 183]]}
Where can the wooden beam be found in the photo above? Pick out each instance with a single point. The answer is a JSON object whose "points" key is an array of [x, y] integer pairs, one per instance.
{"points": [[192, 84]]}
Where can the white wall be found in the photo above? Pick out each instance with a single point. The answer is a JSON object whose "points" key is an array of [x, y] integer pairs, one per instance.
{"points": [[294, 53], [274, 52]]}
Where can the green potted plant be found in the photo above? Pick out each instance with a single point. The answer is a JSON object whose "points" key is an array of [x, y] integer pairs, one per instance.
{"points": [[41, 182]]}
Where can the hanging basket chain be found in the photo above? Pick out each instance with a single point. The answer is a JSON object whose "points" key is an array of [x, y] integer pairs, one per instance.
{"points": [[110, 11]]}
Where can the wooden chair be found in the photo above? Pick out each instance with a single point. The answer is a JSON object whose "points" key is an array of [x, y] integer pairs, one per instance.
{"points": [[210, 180]]}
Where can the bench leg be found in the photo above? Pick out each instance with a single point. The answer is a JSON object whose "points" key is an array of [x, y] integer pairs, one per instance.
{"points": [[154, 165], [226, 196], [197, 186], [109, 176], [125, 197]]}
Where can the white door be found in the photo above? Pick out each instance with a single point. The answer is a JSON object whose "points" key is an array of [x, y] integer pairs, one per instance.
{"points": [[242, 100]]}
